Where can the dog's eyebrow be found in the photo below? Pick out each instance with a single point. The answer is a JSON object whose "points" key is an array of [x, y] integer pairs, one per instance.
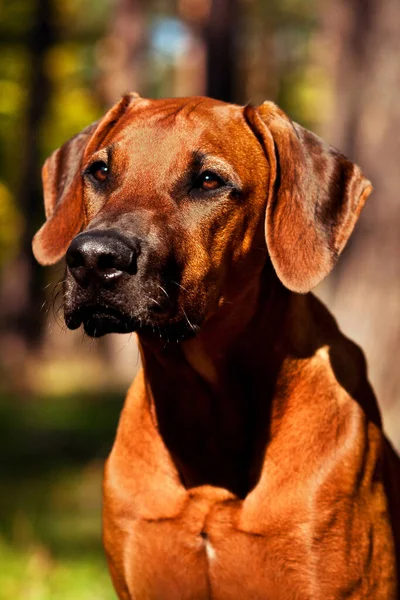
{"points": [[101, 154], [201, 161], [110, 152], [204, 161], [197, 160]]}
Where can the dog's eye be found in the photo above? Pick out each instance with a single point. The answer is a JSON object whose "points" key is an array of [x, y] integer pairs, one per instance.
{"points": [[99, 171], [209, 181]]}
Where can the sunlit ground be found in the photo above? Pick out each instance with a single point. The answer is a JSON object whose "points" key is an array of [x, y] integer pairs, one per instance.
{"points": [[50, 496]]}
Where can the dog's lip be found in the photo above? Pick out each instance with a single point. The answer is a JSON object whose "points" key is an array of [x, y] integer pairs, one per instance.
{"points": [[95, 314], [99, 319]]}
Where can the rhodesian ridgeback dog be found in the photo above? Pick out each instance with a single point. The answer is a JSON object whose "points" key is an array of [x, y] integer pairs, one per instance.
{"points": [[249, 461]]}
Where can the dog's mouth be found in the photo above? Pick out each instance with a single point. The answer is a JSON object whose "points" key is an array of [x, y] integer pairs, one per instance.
{"points": [[98, 320]]}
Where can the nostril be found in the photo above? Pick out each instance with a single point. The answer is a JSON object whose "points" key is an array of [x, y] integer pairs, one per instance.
{"points": [[107, 261], [75, 259]]}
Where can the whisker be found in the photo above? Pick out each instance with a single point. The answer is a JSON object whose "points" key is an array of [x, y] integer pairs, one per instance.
{"points": [[162, 289], [179, 285], [194, 328], [153, 300]]}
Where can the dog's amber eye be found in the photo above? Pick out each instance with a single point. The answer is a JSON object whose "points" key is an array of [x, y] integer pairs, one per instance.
{"points": [[99, 171], [209, 181]]}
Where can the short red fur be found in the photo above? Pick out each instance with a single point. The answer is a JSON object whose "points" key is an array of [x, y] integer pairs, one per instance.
{"points": [[250, 461]]}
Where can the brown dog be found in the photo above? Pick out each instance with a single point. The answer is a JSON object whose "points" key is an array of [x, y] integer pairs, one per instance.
{"points": [[250, 461]]}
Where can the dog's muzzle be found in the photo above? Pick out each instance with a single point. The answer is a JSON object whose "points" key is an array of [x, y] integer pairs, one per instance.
{"points": [[98, 261], [116, 284]]}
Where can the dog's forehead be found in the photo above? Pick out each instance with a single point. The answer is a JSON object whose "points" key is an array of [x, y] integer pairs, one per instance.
{"points": [[168, 128], [177, 111]]}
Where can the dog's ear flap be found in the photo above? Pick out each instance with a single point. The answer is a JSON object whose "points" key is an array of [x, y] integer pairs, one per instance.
{"points": [[315, 196], [63, 186]]}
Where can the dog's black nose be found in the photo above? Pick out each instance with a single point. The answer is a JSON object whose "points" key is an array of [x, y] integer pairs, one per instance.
{"points": [[101, 257]]}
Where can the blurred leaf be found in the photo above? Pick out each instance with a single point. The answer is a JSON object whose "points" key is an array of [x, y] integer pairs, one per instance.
{"points": [[17, 16], [82, 15], [14, 64], [64, 119], [13, 97], [10, 225], [32, 574]]}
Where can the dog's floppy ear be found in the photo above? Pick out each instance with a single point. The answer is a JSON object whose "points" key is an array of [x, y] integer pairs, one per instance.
{"points": [[315, 196], [63, 186]]}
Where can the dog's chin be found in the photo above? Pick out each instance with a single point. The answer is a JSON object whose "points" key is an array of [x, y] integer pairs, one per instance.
{"points": [[99, 320]]}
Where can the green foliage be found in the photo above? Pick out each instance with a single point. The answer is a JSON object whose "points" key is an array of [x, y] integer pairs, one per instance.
{"points": [[82, 17], [72, 104], [17, 16], [50, 496], [10, 225], [33, 574]]}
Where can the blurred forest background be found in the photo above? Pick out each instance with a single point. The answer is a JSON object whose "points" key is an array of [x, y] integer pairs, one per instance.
{"points": [[332, 65]]}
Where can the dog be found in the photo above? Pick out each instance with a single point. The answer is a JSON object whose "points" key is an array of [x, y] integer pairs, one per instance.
{"points": [[249, 461]]}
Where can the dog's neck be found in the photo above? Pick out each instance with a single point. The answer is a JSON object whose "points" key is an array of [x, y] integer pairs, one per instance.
{"points": [[211, 397]]}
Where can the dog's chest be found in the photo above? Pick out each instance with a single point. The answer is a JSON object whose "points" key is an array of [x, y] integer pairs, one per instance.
{"points": [[298, 534], [217, 547], [207, 552]]}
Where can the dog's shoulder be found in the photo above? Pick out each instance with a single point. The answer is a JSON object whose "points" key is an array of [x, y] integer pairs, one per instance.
{"points": [[327, 361]]}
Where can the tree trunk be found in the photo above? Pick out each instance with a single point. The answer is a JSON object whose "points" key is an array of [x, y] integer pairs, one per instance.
{"points": [[220, 36], [22, 294]]}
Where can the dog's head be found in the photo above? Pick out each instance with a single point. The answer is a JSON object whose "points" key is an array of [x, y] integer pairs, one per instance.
{"points": [[165, 208]]}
